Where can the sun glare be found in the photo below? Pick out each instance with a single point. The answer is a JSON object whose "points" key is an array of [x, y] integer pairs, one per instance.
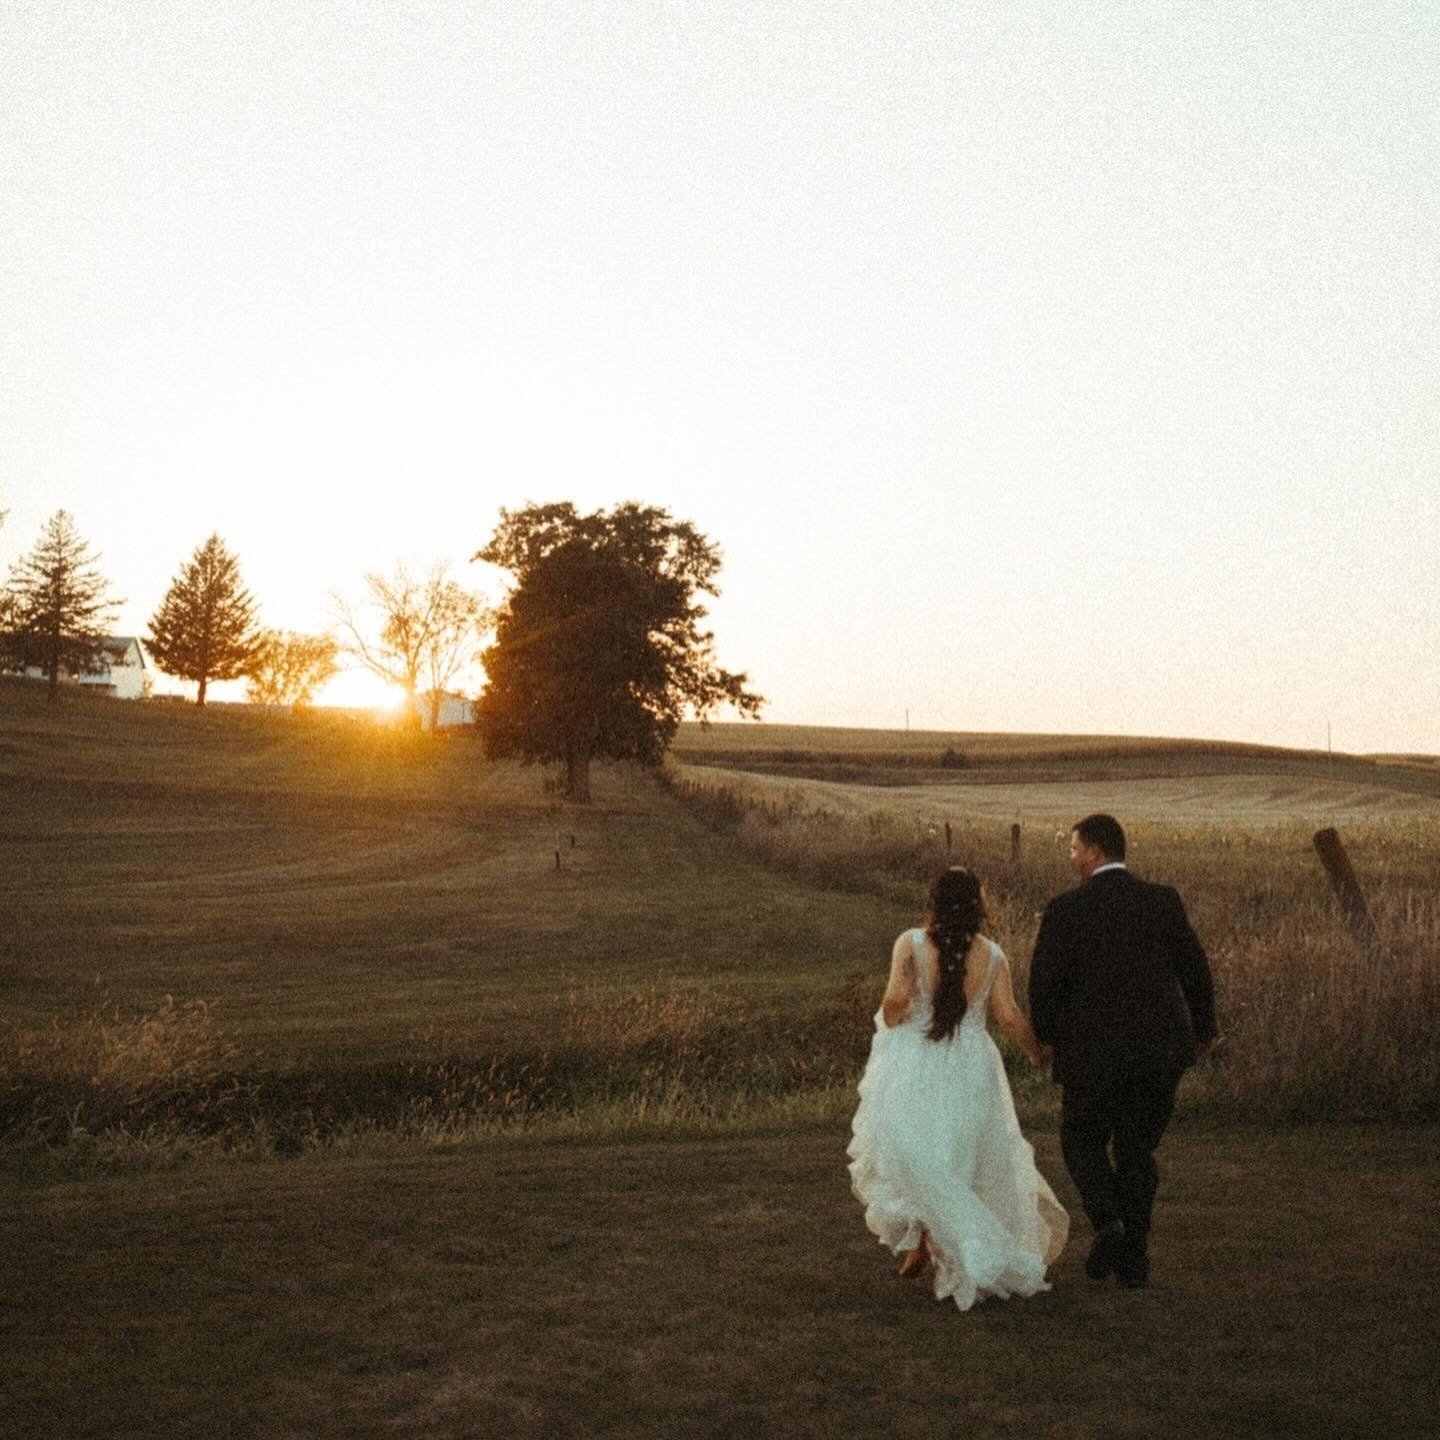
{"points": [[360, 690]]}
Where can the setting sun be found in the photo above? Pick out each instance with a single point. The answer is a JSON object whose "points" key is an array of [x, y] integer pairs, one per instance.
{"points": [[360, 690]]}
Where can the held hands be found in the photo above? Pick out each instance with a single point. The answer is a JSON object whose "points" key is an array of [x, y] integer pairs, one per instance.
{"points": [[1206, 1047]]}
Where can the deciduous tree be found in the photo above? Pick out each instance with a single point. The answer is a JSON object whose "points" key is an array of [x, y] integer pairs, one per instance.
{"points": [[429, 630], [599, 648], [205, 627], [59, 606], [287, 668]]}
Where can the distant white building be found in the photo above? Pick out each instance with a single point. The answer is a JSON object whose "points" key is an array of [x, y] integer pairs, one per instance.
{"points": [[454, 710], [120, 671]]}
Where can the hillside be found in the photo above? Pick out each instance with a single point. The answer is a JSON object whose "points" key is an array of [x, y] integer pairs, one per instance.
{"points": [[346, 896], [340, 891]]}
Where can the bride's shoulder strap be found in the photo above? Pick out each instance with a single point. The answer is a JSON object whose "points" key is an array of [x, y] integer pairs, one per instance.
{"points": [[997, 957]]}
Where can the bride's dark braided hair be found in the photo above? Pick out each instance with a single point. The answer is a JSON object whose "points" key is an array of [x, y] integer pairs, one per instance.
{"points": [[957, 911]]}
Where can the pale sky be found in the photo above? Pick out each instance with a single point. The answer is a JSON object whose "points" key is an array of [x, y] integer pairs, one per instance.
{"points": [[1044, 367]]}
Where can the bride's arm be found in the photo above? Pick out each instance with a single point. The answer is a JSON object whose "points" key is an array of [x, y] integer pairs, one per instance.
{"points": [[1011, 1018], [900, 989]]}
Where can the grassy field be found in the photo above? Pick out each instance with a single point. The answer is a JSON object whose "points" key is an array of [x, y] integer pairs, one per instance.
{"points": [[1314, 1027], [437, 1139], [336, 889]]}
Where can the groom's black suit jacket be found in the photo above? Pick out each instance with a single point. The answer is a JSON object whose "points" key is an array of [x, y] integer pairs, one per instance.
{"points": [[1119, 983]]}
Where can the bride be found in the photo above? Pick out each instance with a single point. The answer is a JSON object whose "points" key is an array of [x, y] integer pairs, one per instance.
{"points": [[936, 1156]]}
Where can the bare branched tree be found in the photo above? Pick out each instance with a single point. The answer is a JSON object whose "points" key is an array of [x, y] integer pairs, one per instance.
{"points": [[429, 630], [287, 668]]}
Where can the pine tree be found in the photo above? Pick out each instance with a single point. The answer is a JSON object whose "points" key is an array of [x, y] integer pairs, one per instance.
{"points": [[58, 611], [205, 627]]}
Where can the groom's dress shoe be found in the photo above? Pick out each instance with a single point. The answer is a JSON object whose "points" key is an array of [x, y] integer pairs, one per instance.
{"points": [[1104, 1256], [1132, 1265]]}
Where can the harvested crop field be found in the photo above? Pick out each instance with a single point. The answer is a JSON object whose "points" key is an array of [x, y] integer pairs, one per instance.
{"points": [[1190, 798]]}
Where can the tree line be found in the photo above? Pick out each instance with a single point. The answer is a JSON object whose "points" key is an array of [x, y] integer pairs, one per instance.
{"points": [[598, 649], [57, 611]]}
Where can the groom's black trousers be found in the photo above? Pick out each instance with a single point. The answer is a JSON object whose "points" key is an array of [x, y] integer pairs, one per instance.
{"points": [[1131, 1115]]}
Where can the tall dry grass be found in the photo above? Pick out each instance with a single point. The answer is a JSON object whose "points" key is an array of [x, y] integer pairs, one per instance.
{"points": [[153, 1086], [170, 1069], [1314, 1026]]}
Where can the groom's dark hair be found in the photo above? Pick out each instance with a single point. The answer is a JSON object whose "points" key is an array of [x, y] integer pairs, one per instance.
{"points": [[1104, 831]]}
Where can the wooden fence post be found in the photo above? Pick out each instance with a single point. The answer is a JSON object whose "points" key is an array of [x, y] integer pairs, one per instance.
{"points": [[1346, 887], [948, 837], [1015, 843]]}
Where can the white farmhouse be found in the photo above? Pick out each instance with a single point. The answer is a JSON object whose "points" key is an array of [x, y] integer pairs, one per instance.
{"points": [[120, 670]]}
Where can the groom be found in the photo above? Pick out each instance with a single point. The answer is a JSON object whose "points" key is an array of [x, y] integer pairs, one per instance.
{"points": [[1120, 987]]}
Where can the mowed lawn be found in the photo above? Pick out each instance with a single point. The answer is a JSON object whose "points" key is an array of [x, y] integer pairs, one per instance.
{"points": [[335, 890], [708, 1287]]}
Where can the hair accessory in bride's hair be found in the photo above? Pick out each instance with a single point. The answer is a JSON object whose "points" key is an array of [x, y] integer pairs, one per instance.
{"points": [[957, 911]]}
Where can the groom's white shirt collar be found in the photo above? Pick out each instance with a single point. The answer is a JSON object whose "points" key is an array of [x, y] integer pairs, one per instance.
{"points": [[1109, 865]]}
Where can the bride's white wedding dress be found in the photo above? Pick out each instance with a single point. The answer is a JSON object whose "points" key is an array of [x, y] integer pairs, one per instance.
{"points": [[936, 1148]]}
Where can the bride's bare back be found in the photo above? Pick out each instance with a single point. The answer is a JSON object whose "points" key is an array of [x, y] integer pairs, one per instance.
{"points": [[906, 960]]}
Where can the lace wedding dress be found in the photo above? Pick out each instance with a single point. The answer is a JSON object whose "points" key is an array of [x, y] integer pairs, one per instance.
{"points": [[936, 1148]]}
